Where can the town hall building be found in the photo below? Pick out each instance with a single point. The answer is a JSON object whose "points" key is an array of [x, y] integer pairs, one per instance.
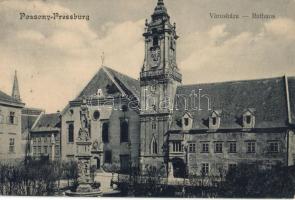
{"points": [[180, 129]]}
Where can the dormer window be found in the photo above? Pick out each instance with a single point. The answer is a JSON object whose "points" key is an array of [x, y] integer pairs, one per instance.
{"points": [[187, 121], [214, 120], [249, 118]]}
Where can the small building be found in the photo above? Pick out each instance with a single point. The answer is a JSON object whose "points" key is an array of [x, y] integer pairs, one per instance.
{"points": [[45, 137], [28, 117]]}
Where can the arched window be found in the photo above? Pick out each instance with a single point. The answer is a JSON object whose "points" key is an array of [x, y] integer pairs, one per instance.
{"points": [[154, 146], [155, 41], [71, 132], [124, 131], [89, 128], [105, 132]]}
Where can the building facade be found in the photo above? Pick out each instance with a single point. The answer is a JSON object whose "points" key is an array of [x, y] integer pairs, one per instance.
{"points": [[45, 137], [10, 125], [231, 123], [111, 99]]}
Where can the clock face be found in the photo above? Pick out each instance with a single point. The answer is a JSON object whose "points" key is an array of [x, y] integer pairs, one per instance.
{"points": [[156, 56]]}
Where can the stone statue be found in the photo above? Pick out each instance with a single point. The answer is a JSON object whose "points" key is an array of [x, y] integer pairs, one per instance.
{"points": [[84, 117], [85, 121]]}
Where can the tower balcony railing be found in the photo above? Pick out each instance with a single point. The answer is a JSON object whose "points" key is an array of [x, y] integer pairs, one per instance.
{"points": [[160, 73]]}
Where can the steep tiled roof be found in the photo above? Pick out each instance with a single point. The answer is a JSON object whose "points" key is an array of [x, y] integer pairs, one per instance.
{"points": [[266, 96], [6, 98], [112, 83], [291, 81], [29, 116], [48, 122], [27, 122]]}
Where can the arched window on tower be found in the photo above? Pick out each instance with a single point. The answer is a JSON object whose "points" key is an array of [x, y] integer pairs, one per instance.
{"points": [[105, 132], [154, 146], [155, 41], [124, 128], [71, 132]]}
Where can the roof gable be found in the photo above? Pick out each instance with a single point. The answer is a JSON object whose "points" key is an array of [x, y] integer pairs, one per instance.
{"points": [[110, 83]]}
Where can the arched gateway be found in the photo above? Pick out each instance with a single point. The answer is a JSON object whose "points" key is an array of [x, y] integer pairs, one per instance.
{"points": [[179, 168]]}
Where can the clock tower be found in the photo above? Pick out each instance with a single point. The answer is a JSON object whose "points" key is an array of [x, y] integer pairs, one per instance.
{"points": [[159, 79]]}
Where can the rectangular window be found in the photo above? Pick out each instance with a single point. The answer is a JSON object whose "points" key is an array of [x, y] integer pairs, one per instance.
{"points": [[248, 119], [154, 126], [1, 118], [108, 157], [205, 168], [34, 151], [218, 147], [214, 121], [232, 166], [45, 139], [57, 150], [177, 147], [274, 147], [34, 140], [186, 121], [251, 147], [192, 147], [39, 150], [232, 147], [39, 139], [11, 145], [12, 118], [205, 147], [45, 150]]}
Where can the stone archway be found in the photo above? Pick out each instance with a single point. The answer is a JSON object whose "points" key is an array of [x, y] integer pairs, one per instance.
{"points": [[179, 168]]}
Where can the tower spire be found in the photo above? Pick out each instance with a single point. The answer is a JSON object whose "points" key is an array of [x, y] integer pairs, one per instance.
{"points": [[15, 89]]}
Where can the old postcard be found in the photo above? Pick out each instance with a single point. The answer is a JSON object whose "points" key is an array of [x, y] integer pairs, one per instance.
{"points": [[147, 98]]}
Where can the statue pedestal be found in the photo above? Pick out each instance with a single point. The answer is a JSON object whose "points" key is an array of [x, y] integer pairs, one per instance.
{"points": [[83, 157]]}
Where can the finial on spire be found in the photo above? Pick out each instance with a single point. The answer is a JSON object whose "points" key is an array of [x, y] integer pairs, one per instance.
{"points": [[160, 9], [15, 88], [102, 59], [160, 2]]}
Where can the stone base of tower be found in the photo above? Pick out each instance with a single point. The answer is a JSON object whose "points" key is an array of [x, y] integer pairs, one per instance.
{"points": [[150, 164]]}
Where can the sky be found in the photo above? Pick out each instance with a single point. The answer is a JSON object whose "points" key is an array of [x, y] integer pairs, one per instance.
{"points": [[55, 59]]}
